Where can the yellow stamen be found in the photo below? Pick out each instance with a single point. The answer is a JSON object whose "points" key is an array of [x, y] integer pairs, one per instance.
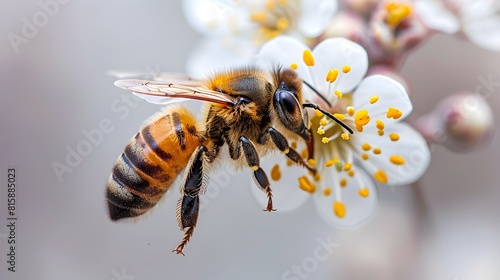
{"points": [[398, 160], [338, 164], [338, 93], [365, 156], [276, 173], [361, 119], [311, 162], [282, 24], [294, 145], [380, 132], [319, 114], [394, 136], [258, 16], [346, 69], [351, 173], [294, 66], [325, 140], [366, 147], [339, 116], [317, 177], [327, 191], [377, 151], [347, 166], [393, 113], [380, 124], [306, 185], [320, 131], [373, 99], [343, 182], [344, 136], [323, 121], [332, 75], [350, 110], [308, 58], [304, 153], [339, 209], [381, 176], [396, 13], [289, 162], [364, 192], [329, 163], [270, 4]]}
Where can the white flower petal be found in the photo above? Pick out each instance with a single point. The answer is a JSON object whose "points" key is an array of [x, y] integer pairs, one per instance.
{"points": [[484, 31], [287, 195], [212, 54], [358, 209], [390, 92], [411, 146], [315, 16], [435, 16], [336, 53], [216, 17]]}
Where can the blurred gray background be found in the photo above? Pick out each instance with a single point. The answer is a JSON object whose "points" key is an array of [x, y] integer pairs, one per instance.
{"points": [[444, 227]]}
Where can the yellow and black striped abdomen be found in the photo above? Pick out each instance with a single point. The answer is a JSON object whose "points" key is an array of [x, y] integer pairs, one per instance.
{"points": [[151, 162]]}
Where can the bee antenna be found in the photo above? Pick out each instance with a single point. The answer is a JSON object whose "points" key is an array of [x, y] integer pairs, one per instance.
{"points": [[328, 114], [317, 92]]}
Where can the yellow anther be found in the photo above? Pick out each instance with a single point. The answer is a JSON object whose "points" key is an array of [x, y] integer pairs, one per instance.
{"points": [[320, 131], [344, 136], [325, 140], [339, 116], [339, 209], [308, 58], [319, 114], [343, 182], [338, 93], [381, 176], [398, 160], [289, 162], [271, 4], [364, 192], [380, 124], [332, 75], [346, 69], [311, 162], [294, 66], [329, 163], [394, 113], [306, 185], [351, 173], [365, 156], [377, 151], [304, 153], [323, 121], [361, 119], [294, 145], [283, 2], [276, 173], [338, 164], [396, 13], [347, 166], [327, 191], [282, 24], [380, 132], [373, 99], [258, 16], [366, 147], [317, 177], [394, 136], [350, 110]]}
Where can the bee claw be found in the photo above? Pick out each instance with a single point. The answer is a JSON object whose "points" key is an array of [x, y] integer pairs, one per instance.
{"points": [[179, 250], [269, 210]]}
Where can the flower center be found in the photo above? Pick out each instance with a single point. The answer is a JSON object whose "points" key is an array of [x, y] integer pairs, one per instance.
{"points": [[397, 12], [275, 18]]}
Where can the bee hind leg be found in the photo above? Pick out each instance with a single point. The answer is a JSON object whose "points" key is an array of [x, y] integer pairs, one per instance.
{"points": [[188, 206]]}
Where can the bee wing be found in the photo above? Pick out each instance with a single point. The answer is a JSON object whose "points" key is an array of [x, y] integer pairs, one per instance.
{"points": [[166, 92], [174, 78]]}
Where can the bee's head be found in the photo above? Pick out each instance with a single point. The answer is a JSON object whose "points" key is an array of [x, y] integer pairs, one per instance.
{"points": [[287, 102]]}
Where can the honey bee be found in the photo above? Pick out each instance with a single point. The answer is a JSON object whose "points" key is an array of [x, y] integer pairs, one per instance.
{"points": [[251, 110]]}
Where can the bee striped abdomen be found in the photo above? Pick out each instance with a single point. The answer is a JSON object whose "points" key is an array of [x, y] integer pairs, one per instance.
{"points": [[151, 162]]}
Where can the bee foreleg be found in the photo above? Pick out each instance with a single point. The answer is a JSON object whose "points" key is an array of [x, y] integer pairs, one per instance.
{"points": [[259, 175], [188, 206], [282, 144]]}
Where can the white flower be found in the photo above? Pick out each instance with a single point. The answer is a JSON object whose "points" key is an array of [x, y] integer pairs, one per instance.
{"points": [[382, 147], [234, 29], [478, 19]]}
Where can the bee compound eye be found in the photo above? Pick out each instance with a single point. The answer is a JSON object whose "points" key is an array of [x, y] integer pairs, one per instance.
{"points": [[288, 109]]}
